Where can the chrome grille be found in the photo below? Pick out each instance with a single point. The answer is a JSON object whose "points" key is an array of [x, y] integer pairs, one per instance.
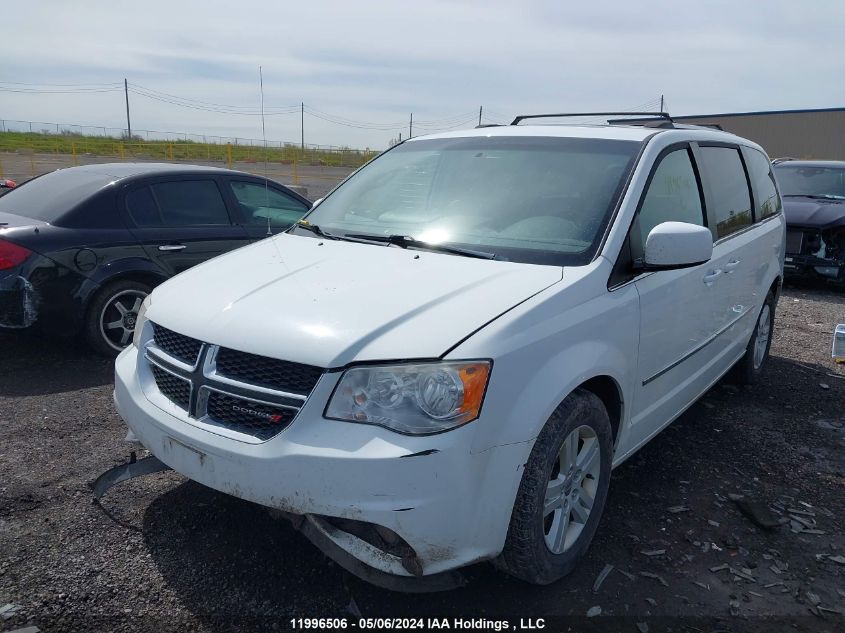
{"points": [[268, 372], [179, 346], [245, 393]]}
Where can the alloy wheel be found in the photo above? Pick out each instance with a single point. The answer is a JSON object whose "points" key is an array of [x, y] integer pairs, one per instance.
{"points": [[118, 318], [572, 489], [764, 331]]}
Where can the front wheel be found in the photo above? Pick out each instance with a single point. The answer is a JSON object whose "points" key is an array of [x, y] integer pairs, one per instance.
{"points": [[562, 493], [111, 317]]}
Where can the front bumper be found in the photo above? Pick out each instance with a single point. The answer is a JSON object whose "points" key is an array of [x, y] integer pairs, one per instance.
{"points": [[451, 506]]}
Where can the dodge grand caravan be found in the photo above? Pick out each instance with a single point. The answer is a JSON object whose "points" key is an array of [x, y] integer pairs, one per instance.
{"points": [[444, 360]]}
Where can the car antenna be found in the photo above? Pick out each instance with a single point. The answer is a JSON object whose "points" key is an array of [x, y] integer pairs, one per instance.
{"points": [[264, 137]]}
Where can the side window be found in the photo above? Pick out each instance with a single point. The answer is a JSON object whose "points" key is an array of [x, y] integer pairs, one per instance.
{"points": [[190, 203], [672, 196], [731, 198], [142, 207], [764, 184], [260, 204]]}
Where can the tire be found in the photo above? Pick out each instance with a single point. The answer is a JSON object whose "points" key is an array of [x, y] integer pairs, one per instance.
{"points": [[528, 553], [103, 312], [750, 367]]}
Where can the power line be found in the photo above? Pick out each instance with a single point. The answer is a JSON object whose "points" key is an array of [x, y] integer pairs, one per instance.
{"points": [[166, 95], [58, 90], [91, 85]]}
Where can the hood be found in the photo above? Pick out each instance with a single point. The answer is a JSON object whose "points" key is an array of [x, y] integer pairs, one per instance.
{"points": [[329, 303], [822, 214]]}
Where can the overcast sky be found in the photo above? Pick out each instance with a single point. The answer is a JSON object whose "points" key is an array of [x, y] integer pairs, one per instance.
{"points": [[375, 62]]}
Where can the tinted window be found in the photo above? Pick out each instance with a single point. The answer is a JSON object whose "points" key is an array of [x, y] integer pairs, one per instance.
{"points": [[672, 196], [764, 184], [731, 198], [142, 207], [190, 203], [529, 199], [260, 203], [50, 196]]}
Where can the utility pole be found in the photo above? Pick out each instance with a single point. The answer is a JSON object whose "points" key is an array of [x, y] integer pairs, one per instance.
{"points": [[128, 124], [480, 108], [411, 126], [302, 123]]}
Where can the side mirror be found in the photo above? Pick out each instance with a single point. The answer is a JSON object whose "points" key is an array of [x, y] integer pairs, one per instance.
{"points": [[677, 245]]}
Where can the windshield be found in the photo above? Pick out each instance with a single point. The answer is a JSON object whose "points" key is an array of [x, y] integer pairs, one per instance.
{"points": [[529, 199], [811, 181]]}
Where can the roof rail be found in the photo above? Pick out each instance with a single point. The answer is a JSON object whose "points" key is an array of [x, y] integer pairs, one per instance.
{"points": [[523, 117]]}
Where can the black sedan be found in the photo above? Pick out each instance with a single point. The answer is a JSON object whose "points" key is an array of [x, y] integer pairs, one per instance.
{"points": [[80, 248], [814, 204]]}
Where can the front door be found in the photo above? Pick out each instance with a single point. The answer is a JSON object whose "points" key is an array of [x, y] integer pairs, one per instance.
{"points": [[183, 222], [682, 312]]}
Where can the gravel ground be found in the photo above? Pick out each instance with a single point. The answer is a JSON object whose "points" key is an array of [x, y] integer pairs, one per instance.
{"points": [[166, 554]]}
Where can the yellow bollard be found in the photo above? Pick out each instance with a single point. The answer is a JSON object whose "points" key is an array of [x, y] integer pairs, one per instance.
{"points": [[170, 151], [229, 155], [1, 169], [73, 152], [295, 173]]}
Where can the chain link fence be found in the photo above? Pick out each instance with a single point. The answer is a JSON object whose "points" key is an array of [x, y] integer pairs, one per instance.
{"points": [[61, 138]]}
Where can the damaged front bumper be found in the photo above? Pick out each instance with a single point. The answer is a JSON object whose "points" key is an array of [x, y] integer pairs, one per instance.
{"points": [[814, 267], [815, 253], [398, 511], [18, 302]]}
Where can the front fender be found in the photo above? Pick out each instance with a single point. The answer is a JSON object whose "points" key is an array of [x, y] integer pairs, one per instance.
{"points": [[547, 347]]}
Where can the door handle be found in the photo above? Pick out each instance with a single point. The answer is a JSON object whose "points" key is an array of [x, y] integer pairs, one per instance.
{"points": [[710, 277], [729, 267], [171, 247]]}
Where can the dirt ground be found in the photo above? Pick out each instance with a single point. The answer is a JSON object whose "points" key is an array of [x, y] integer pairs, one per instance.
{"points": [[167, 554], [316, 180]]}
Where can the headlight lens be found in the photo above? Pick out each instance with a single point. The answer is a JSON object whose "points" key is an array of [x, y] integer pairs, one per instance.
{"points": [[140, 320], [416, 399]]}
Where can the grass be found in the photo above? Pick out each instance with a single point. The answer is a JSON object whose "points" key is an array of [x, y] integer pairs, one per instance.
{"points": [[186, 150]]}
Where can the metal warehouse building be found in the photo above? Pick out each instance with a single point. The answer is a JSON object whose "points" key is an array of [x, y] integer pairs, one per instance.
{"points": [[796, 133]]}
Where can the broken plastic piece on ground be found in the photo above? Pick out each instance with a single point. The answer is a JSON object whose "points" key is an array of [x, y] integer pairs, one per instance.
{"points": [[602, 575], [759, 513], [130, 470]]}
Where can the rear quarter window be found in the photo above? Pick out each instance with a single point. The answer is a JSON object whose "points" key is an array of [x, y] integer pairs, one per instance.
{"points": [[767, 199]]}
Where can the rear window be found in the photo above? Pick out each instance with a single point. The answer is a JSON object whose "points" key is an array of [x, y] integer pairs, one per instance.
{"points": [[51, 196]]}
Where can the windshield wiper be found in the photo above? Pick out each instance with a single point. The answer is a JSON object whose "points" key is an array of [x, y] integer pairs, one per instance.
{"points": [[815, 196], [406, 241], [316, 230]]}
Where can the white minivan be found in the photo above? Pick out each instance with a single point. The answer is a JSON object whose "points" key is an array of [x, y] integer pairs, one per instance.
{"points": [[442, 363]]}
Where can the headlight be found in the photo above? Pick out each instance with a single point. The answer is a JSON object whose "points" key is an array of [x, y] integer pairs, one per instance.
{"points": [[415, 399], [140, 320]]}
